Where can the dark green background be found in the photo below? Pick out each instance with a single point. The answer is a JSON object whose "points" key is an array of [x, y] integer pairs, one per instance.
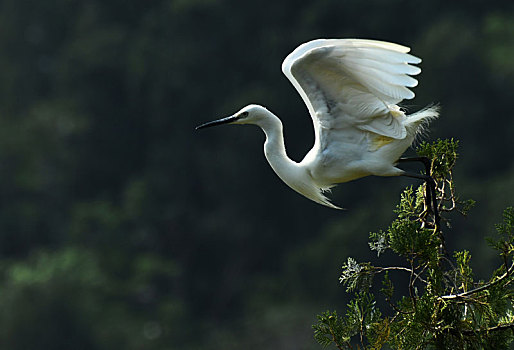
{"points": [[123, 228]]}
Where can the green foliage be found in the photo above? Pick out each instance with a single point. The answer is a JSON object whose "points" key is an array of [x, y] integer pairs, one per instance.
{"points": [[329, 324], [443, 155], [443, 306], [504, 240], [355, 275], [362, 317]]}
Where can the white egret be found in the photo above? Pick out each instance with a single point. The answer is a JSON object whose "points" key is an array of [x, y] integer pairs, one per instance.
{"points": [[351, 88]]}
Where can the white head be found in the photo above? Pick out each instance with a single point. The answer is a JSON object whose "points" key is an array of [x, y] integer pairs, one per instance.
{"points": [[251, 114]]}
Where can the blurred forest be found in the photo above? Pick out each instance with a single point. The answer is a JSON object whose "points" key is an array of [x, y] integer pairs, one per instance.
{"points": [[123, 228]]}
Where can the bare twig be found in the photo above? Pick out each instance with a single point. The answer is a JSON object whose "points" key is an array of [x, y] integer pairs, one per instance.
{"points": [[501, 327], [411, 284], [479, 289], [401, 268]]}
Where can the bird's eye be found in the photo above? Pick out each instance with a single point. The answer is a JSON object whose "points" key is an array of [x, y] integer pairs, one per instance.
{"points": [[243, 115]]}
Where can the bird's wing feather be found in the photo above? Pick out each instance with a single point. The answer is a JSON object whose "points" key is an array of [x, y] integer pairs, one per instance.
{"points": [[353, 82]]}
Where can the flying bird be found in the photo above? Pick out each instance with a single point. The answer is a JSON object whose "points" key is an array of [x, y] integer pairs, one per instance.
{"points": [[352, 88]]}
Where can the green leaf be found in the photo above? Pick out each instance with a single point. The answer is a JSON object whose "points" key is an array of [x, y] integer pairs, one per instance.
{"points": [[356, 276], [443, 154], [331, 328]]}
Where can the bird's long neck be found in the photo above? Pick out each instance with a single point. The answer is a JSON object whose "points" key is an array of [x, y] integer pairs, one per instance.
{"points": [[275, 151], [294, 174]]}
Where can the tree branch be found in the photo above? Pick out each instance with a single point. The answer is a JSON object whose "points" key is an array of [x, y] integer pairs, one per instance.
{"points": [[490, 329], [400, 268], [479, 289]]}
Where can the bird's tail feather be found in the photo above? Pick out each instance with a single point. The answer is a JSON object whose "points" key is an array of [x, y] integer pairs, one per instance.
{"points": [[417, 123]]}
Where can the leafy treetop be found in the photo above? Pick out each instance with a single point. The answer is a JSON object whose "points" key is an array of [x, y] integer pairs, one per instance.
{"points": [[442, 305]]}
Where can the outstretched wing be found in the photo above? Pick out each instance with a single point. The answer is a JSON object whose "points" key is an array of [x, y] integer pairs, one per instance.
{"points": [[353, 83]]}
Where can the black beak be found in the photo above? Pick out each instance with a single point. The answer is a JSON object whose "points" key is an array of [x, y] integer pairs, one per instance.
{"points": [[226, 120]]}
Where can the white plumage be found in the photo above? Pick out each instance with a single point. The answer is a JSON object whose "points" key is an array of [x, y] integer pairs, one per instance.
{"points": [[351, 88]]}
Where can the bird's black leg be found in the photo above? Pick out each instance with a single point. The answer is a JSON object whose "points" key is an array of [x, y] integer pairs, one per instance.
{"points": [[431, 194], [424, 160], [431, 185]]}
